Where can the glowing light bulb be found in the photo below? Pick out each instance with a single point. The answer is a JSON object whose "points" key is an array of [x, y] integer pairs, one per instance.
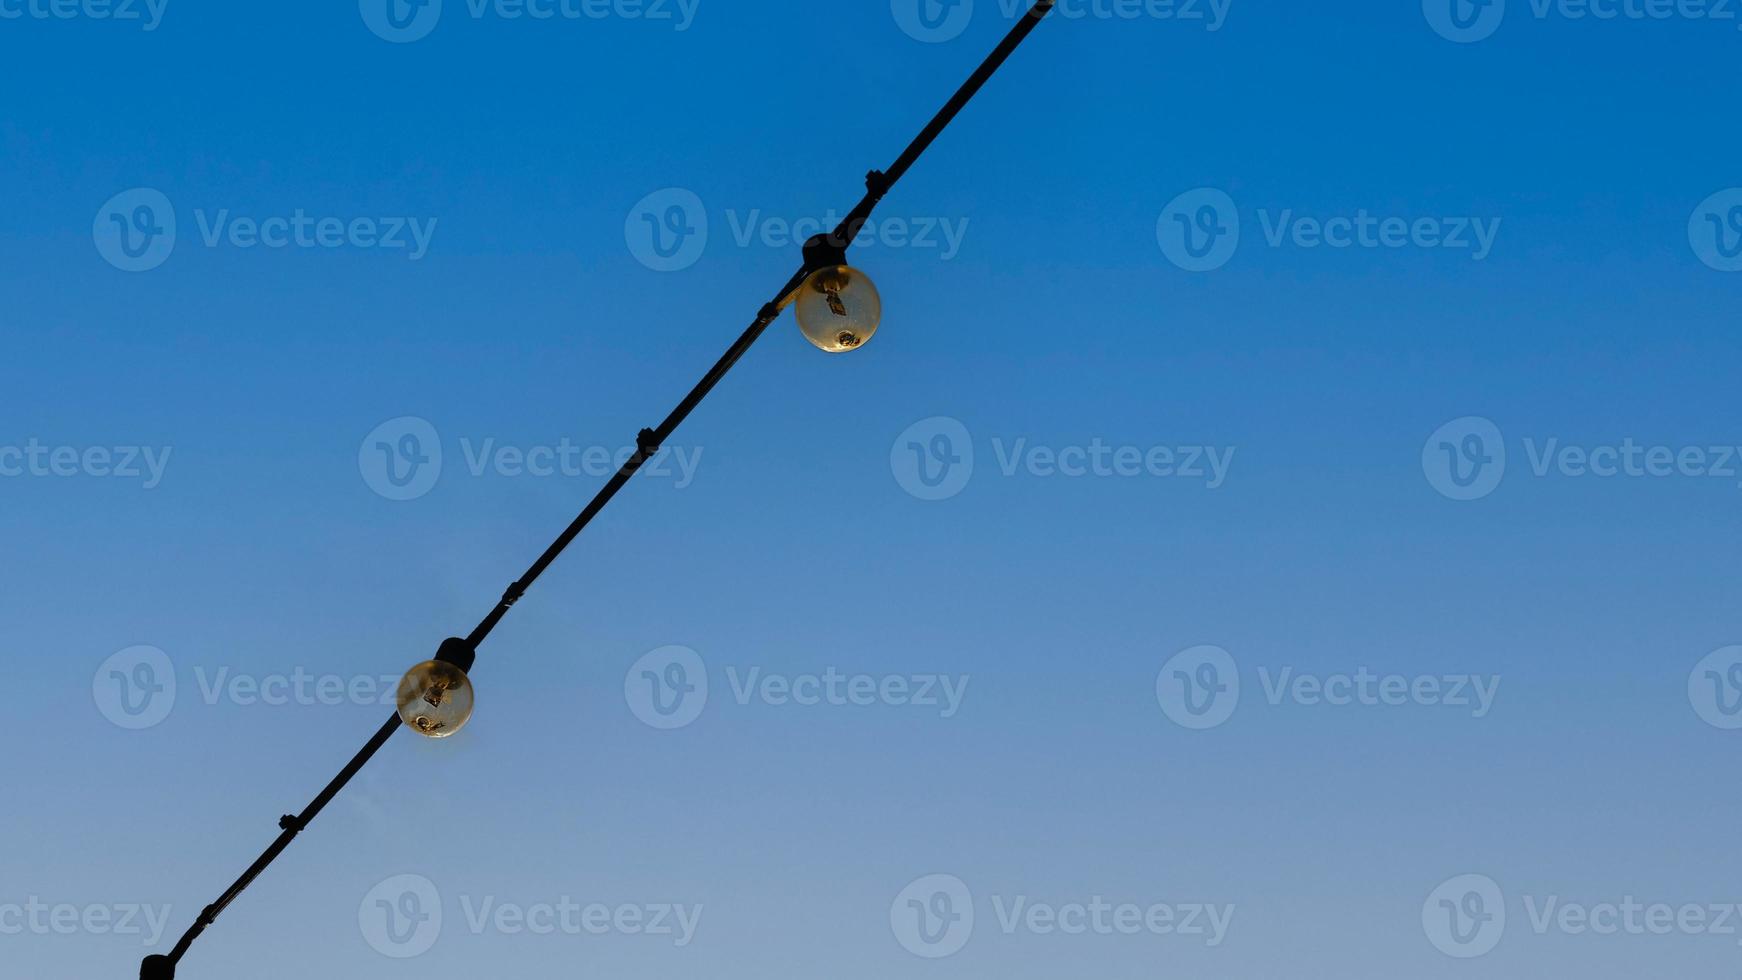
{"points": [[838, 308], [435, 699]]}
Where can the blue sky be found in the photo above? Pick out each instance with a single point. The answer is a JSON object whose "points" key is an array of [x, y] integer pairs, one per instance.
{"points": [[1158, 594]]}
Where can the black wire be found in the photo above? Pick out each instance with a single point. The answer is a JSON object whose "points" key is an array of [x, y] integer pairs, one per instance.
{"points": [[879, 184], [648, 443]]}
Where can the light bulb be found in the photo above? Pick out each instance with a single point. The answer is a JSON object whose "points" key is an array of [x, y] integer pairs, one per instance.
{"points": [[435, 699], [838, 308]]}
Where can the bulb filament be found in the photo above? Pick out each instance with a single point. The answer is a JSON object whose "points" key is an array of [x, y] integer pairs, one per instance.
{"points": [[830, 285]]}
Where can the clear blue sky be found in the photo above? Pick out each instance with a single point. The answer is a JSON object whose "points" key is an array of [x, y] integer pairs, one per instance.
{"points": [[1040, 311]]}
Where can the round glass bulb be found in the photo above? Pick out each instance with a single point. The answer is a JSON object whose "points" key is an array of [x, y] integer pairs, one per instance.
{"points": [[435, 699], [838, 308]]}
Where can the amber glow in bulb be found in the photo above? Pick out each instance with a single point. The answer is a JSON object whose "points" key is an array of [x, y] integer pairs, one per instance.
{"points": [[435, 699], [838, 308]]}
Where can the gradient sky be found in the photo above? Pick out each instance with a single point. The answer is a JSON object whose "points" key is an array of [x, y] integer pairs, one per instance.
{"points": [[532, 151]]}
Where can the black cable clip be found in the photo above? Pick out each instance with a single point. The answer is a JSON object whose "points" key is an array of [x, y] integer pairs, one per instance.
{"points": [[823, 251], [647, 442], [288, 822], [463, 654]]}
